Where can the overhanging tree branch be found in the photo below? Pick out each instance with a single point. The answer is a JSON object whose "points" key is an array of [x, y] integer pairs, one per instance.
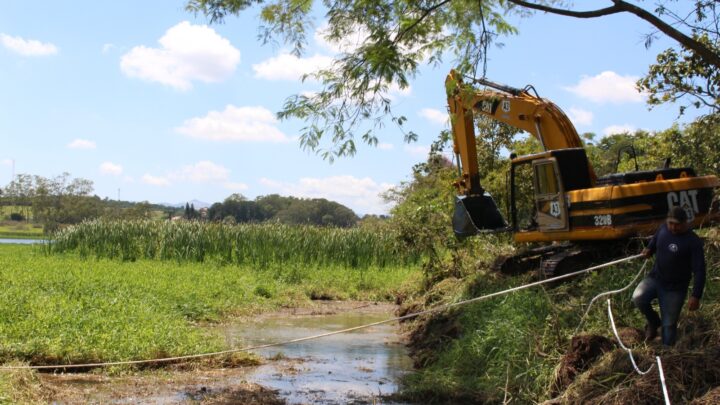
{"points": [[425, 12], [619, 6]]}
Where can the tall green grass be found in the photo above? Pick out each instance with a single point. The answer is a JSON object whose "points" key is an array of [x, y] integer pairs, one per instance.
{"points": [[254, 244]]}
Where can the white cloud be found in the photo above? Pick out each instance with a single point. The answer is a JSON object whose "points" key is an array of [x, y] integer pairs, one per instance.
{"points": [[608, 87], [418, 150], [619, 129], [27, 47], [434, 116], [233, 186], [347, 44], [6, 162], [360, 194], [81, 144], [155, 180], [394, 89], [244, 124], [203, 171], [187, 53], [385, 146], [111, 168], [580, 117], [290, 67]]}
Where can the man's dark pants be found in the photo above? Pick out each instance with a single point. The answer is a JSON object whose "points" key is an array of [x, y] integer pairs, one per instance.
{"points": [[671, 303]]}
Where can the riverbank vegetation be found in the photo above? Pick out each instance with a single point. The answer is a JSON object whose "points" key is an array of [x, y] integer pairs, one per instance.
{"points": [[253, 244], [513, 348]]}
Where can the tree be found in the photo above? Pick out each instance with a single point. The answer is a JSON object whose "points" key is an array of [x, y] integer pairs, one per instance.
{"points": [[20, 192], [401, 35]]}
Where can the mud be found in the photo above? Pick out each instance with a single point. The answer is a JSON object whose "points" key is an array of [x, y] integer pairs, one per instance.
{"points": [[162, 387], [361, 367]]}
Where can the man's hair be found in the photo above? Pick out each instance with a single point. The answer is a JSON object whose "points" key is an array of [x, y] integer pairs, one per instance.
{"points": [[678, 214]]}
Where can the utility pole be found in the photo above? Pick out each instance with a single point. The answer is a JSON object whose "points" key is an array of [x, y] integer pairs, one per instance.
{"points": [[118, 193]]}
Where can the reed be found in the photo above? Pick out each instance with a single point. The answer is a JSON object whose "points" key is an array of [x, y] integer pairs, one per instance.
{"points": [[255, 244]]}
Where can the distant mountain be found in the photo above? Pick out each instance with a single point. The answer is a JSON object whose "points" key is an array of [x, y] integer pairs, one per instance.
{"points": [[196, 203]]}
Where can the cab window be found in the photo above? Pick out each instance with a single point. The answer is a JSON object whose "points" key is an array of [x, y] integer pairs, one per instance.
{"points": [[546, 181]]}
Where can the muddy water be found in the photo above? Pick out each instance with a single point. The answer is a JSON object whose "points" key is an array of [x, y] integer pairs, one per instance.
{"points": [[358, 367]]}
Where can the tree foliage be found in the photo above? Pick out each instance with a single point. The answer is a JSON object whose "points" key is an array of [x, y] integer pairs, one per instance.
{"points": [[681, 74], [54, 201], [398, 37], [693, 145], [288, 210]]}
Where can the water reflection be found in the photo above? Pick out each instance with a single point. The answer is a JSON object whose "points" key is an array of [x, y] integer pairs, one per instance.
{"points": [[21, 241], [352, 367]]}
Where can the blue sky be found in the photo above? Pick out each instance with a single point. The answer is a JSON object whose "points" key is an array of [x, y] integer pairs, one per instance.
{"points": [[151, 103]]}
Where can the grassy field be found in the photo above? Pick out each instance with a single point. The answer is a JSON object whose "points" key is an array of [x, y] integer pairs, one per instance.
{"points": [[64, 309]]}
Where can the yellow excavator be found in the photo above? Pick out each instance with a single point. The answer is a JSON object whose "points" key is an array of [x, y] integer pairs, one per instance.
{"points": [[578, 216]]}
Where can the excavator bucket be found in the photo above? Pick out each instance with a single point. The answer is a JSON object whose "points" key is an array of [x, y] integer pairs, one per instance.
{"points": [[477, 214]]}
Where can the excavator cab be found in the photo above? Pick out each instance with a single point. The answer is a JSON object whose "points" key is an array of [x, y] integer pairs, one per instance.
{"points": [[554, 173]]}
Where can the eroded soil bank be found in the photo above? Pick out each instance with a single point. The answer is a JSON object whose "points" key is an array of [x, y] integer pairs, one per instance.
{"points": [[357, 367]]}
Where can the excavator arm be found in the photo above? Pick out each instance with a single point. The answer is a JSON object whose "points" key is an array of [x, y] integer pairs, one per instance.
{"points": [[515, 107]]}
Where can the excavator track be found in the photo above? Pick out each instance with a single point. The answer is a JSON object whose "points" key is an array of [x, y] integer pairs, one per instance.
{"points": [[558, 259]]}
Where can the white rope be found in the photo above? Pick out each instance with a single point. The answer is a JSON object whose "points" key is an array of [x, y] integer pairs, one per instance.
{"points": [[629, 351], [632, 358], [592, 301], [662, 380], [287, 342]]}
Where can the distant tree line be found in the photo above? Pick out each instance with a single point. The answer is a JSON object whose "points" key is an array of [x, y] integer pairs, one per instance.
{"points": [[289, 210], [62, 200]]}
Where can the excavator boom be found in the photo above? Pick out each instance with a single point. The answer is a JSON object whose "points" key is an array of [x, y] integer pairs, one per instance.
{"points": [[515, 107]]}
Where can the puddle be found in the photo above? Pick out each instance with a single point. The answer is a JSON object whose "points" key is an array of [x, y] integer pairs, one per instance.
{"points": [[354, 367]]}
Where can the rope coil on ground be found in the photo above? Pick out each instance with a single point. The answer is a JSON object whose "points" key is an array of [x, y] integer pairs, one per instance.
{"points": [[287, 342]]}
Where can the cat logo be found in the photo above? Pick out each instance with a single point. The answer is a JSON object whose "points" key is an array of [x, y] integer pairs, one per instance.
{"points": [[687, 200]]}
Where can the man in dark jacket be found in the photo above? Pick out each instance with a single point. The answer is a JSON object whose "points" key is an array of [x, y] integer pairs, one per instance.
{"points": [[679, 255]]}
